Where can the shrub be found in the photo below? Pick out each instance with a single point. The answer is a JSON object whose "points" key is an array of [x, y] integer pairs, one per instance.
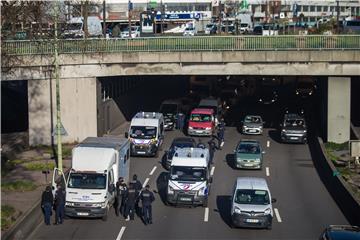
{"points": [[7, 216], [20, 185]]}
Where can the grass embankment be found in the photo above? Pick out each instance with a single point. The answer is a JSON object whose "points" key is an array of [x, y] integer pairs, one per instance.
{"points": [[331, 147], [7, 216], [19, 185]]}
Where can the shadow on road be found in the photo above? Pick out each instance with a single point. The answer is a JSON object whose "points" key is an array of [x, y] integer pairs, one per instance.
{"points": [[161, 184], [223, 204], [230, 160], [274, 135]]}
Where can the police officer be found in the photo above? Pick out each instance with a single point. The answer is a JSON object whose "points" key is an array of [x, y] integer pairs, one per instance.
{"points": [[130, 199], [212, 148], [47, 200], [147, 197], [136, 184], [221, 132], [120, 190], [59, 205]]}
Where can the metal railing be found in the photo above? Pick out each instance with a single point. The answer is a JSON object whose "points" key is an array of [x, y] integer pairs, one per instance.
{"points": [[181, 44]]}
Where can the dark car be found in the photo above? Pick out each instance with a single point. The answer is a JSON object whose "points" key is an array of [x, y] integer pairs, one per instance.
{"points": [[180, 142], [305, 89], [340, 232], [268, 95], [170, 109], [293, 128]]}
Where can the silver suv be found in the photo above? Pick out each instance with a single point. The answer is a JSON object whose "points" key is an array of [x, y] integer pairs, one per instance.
{"points": [[293, 129], [252, 124]]}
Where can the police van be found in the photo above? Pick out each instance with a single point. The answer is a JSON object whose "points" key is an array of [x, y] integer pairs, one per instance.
{"points": [[146, 133], [189, 179]]}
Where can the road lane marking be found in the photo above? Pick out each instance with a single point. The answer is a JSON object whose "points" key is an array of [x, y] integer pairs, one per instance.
{"points": [[146, 182], [206, 215], [268, 143], [153, 170], [212, 171], [122, 230], [277, 214], [267, 171]]}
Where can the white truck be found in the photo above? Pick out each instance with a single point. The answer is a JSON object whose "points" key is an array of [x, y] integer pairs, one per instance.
{"points": [[74, 28], [97, 163], [189, 179], [146, 133]]}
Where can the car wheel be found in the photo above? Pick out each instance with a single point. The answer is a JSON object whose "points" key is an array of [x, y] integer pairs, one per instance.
{"points": [[269, 227]]}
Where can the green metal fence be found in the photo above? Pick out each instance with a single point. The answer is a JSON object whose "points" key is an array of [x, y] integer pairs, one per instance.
{"points": [[174, 44]]}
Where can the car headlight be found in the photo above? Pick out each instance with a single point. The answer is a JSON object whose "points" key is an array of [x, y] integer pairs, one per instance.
{"points": [[267, 211], [208, 128], [260, 127], [102, 205], [237, 210], [260, 100], [310, 93], [191, 128], [70, 204], [297, 93], [305, 131], [170, 190], [283, 130], [170, 123]]}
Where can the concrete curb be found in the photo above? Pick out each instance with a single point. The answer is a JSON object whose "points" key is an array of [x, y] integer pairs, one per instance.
{"points": [[335, 184]]}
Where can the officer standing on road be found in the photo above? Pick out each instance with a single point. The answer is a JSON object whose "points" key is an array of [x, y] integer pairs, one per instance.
{"points": [[147, 197], [130, 199], [181, 120], [59, 205], [221, 132], [136, 184], [47, 200], [212, 148], [120, 190]]}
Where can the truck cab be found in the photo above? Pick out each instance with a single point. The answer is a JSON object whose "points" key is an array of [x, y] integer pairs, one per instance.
{"points": [[189, 177], [146, 133], [74, 28], [201, 122], [97, 163], [170, 110]]}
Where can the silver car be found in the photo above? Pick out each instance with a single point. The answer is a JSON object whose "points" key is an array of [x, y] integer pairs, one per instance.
{"points": [[252, 124]]}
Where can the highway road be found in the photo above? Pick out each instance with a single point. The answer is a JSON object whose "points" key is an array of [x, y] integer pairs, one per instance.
{"points": [[304, 207]]}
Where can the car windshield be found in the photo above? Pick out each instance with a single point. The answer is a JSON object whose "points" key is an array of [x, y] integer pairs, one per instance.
{"points": [[168, 108], [87, 180], [247, 147], [182, 173], [189, 29], [210, 26], [252, 119], [254, 197], [182, 145], [294, 123], [195, 117], [244, 25], [142, 132]]}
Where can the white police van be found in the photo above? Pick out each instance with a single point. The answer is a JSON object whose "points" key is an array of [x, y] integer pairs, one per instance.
{"points": [[146, 133], [189, 179]]}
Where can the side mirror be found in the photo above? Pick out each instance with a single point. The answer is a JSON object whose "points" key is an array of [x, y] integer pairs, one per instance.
{"points": [[126, 134], [263, 152], [273, 200]]}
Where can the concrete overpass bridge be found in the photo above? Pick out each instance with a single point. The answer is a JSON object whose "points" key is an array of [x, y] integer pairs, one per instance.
{"points": [[84, 62]]}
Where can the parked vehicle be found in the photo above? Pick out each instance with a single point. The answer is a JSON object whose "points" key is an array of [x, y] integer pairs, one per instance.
{"points": [[268, 96], [170, 109], [190, 31], [251, 203], [252, 124], [135, 32], [181, 142], [245, 28], [210, 28], [97, 163], [202, 122], [146, 133], [214, 104], [340, 232], [266, 30], [189, 180], [293, 128], [74, 28], [249, 154], [229, 28]]}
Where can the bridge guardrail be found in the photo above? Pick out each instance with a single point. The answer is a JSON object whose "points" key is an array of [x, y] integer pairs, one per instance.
{"points": [[177, 44]]}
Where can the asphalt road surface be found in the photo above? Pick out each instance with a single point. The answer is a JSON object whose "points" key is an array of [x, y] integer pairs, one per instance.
{"points": [[304, 207]]}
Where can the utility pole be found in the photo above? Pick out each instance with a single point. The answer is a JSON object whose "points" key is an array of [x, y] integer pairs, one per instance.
{"points": [[58, 105], [104, 18], [337, 17], [129, 14]]}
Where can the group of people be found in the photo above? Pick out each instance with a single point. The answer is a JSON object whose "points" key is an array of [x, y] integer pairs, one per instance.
{"points": [[128, 198], [49, 202]]}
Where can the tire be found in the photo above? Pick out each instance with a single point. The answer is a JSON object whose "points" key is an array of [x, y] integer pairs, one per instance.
{"points": [[105, 217]]}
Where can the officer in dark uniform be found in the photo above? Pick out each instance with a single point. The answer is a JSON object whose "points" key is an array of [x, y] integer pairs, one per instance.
{"points": [[212, 148], [120, 190], [136, 184], [221, 132], [59, 205], [47, 200], [147, 197], [130, 199]]}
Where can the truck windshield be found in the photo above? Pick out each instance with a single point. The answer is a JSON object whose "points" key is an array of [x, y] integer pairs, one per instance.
{"points": [[195, 117], [182, 173], [168, 108], [254, 197], [141, 132], [87, 180]]}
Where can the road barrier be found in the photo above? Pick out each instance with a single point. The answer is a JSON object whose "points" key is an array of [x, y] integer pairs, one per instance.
{"points": [[175, 44]]}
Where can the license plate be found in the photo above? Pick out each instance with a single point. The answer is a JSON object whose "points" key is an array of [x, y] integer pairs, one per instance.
{"points": [[248, 165], [199, 131], [83, 214], [141, 152], [185, 199], [294, 138], [252, 130], [252, 220]]}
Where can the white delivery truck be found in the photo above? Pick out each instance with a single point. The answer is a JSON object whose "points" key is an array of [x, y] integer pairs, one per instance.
{"points": [[97, 163], [189, 178], [74, 28], [146, 133]]}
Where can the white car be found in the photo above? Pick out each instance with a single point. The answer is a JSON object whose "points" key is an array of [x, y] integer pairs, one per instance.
{"points": [[189, 32], [135, 32]]}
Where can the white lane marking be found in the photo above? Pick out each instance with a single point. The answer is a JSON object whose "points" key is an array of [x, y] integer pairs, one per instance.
{"points": [[212, 171], [153, 170], [277, 214], [268, 143], [122, 230], [146, 181], [267, 171], [206, 215]]}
